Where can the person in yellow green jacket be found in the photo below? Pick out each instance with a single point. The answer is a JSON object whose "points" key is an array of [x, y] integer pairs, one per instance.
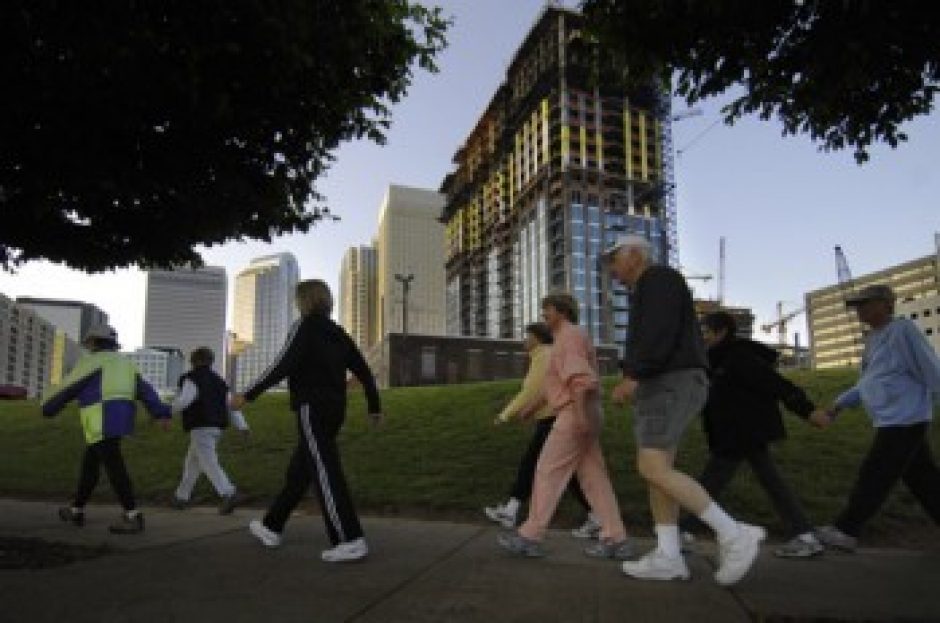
{"points": [[538, 340], [105, 384]]}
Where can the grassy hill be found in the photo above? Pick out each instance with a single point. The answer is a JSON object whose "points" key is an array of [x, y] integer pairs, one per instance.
{"points": [[438, 454]]}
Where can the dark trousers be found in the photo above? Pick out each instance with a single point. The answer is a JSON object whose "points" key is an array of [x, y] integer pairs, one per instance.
{"points": [[316, 461], [898, 453], [721, 468], [522, 487], [106, 452]]}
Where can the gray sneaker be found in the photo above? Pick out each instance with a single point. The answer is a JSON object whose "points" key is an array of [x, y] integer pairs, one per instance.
{"points": [[803, 546], [590, 529], [833, 538], [516, 544], [624, 550]]}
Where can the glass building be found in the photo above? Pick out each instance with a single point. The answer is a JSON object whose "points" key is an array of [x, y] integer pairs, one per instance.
{"points": [[559, 165]]}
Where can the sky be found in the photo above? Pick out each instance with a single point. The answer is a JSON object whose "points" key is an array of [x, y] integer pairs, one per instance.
{"points": [[781, 204]]}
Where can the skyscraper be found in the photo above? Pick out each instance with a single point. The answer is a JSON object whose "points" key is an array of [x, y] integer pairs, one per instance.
{"points": [[71, 320], [357, 289], [264, 311], [26, 343], [185, 309], [557, 167], [410, 241]]}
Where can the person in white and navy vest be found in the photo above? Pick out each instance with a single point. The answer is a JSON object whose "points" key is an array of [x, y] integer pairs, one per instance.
{"points": [[203, 401]]}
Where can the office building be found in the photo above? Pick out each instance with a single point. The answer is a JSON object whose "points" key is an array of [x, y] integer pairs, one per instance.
{"points": [[357, 295], [925, 313], [26, 345], [264, 312], [409, 249], [71, 320], [399, 360], [72, 317], [836, 336], [161, 367], [185, 310]]}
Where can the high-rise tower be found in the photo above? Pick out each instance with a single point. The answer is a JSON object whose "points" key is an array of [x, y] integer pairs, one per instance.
{"points": [[563, 161]]}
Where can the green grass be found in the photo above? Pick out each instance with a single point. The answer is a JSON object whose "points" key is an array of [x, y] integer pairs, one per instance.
{"points": [[439, 455]]}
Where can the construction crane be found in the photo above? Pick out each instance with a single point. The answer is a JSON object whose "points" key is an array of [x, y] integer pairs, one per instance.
{"points": [[842, 270], [721, 271], [668, 186], [780, 324]]}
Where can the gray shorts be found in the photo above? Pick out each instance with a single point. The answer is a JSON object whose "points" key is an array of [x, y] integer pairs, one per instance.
{"points": [[665, 404]]}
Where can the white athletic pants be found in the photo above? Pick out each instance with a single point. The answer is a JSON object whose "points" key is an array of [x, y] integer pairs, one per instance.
{"points": [[201, 458]]}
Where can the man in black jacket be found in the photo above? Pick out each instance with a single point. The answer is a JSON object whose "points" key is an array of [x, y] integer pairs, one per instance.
{"points": [[315, 358], [203, 401], [742, 418], [664, 371]]}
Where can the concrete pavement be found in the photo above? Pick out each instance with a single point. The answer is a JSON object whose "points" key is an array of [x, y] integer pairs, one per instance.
{"points": [[198, 566]]}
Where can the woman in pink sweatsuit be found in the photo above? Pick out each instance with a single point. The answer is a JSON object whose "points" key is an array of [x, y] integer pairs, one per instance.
{"points": [[572, 390]]}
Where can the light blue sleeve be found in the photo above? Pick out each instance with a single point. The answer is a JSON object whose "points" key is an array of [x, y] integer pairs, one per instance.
{"points": [[920, 356], [850, 398]]}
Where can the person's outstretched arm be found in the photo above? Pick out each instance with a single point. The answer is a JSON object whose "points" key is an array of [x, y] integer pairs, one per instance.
{"points": [[281, 366], [69, 389], [145, 393], [532, 389], [360, 369]]}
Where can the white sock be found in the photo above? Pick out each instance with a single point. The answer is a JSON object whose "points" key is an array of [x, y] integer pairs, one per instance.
{"points": [[721, 522], [512, 506], [132, 514], [667, 539], [807, 537]]}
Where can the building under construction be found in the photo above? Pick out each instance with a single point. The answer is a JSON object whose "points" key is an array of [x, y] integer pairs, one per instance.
{"points": [[560, 163]]}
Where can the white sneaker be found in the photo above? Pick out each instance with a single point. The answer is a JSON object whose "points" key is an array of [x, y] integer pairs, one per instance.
{"points": [[737, 555], [590, 529], [346, 552], [500, 515], [268, 538], [657, 566]]}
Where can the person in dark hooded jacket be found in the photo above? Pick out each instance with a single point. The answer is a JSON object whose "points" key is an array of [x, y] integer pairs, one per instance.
{"points": [[742, 418]]}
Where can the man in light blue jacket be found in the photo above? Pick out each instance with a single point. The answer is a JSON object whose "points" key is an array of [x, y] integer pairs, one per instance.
{"points": [[899, 380]]}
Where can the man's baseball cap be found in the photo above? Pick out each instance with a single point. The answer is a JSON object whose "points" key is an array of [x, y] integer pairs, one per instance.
{"points": [[626, 241], [100, 332], [877, 292]]}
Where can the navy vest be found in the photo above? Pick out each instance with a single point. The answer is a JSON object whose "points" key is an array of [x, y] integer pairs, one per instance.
{"points": [[210, 409]]}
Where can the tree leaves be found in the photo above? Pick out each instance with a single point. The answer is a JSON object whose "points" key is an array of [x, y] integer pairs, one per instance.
{"points": [[132, 132], [848, 73]]}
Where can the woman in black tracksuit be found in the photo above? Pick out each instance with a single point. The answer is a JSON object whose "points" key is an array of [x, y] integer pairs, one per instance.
{"points": [[315, 359], [742, 418]]}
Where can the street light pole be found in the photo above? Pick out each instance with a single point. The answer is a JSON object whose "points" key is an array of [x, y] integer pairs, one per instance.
{"points": [[405, 281]]}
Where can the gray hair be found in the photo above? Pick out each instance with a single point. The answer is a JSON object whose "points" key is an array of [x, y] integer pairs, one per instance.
{"points": [[635, 241]]}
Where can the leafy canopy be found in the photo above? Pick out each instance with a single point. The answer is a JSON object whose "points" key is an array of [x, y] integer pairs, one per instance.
{"points": [[131, 132], [847, 72]]}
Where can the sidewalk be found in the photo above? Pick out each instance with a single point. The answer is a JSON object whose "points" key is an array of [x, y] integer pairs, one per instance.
{"points": [[198, 566]]}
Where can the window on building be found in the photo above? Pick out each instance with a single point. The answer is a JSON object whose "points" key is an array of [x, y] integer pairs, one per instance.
{"points": [[428, 363]]}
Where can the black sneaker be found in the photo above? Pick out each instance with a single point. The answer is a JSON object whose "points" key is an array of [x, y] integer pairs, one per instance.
{"points": [[179, 504], [69, 515], [128, 525], [229, 502]]}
